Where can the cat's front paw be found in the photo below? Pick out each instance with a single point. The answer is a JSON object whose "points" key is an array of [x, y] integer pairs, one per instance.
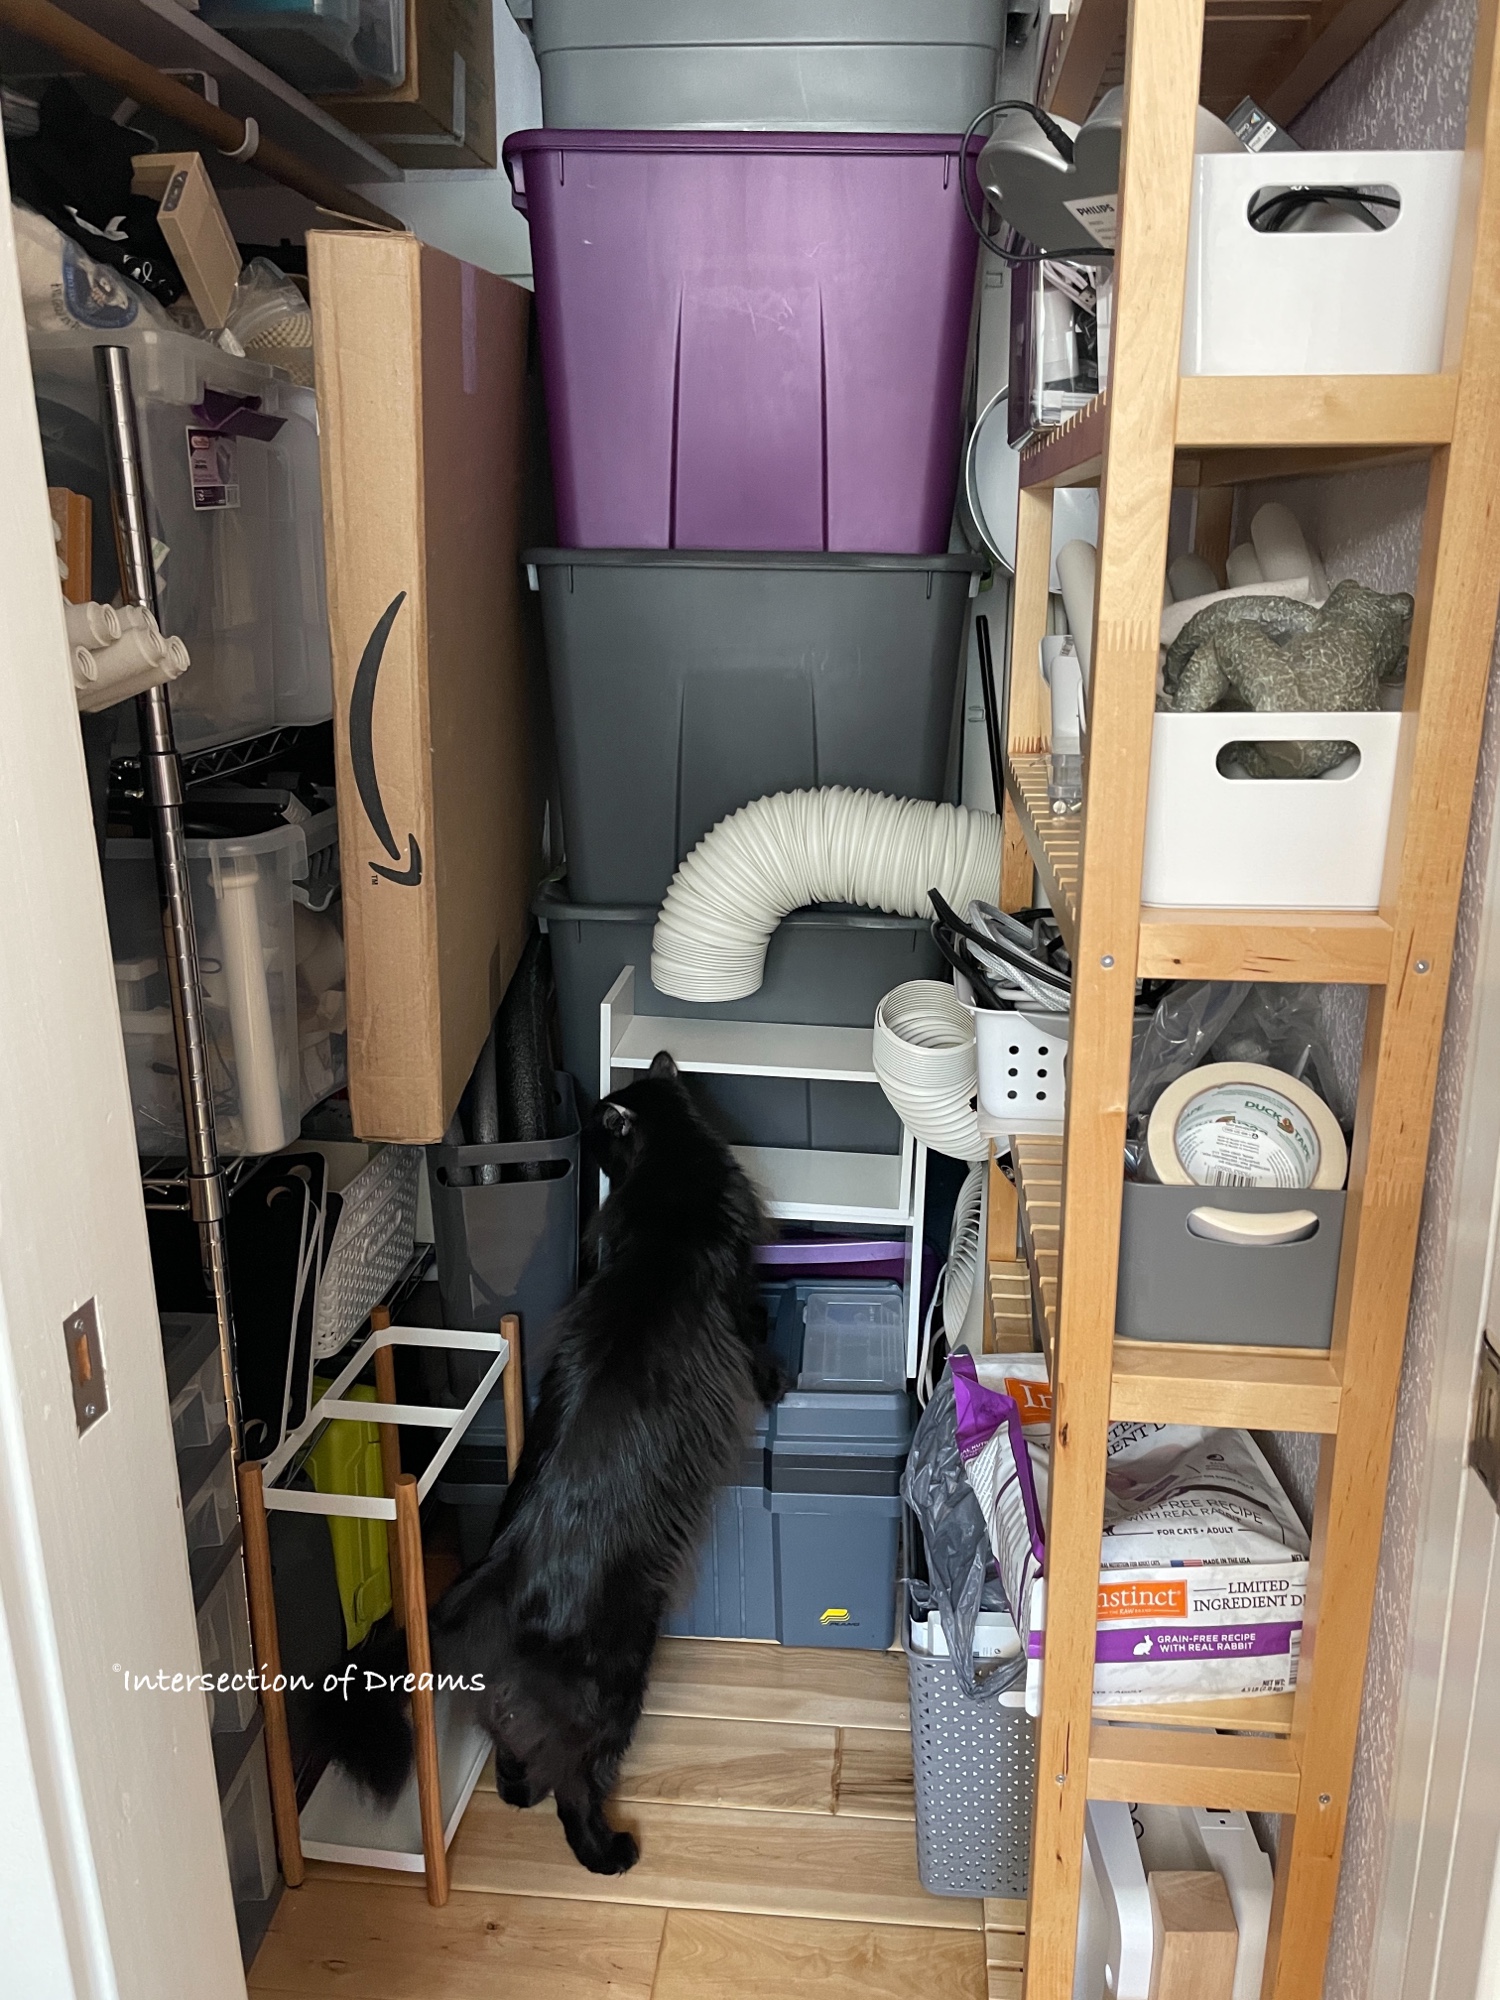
{"points": [[770, 1378], [619, 1857]]}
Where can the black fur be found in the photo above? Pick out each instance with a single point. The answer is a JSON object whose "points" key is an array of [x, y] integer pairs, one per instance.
{"points": [[639, 1420]]}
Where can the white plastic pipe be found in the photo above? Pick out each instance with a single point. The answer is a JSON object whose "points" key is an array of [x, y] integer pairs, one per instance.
{"points": [[928, 1067], [170, 661], [1077, 573], [831, 846], [1190, 576], [91, 624], [1282, 550], [1243, 566], [256, 1069]]}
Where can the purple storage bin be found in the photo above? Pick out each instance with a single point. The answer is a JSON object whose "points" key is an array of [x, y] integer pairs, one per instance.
{"points": [[750, 340]]}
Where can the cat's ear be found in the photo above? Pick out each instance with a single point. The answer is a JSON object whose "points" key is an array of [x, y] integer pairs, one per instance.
{"points": [[618, 1120], [662, 1065]]}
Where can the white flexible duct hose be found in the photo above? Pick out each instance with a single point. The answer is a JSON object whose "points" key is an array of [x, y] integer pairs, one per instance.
{"points": [[963, 1292], [830, 846], [926, 1062]]}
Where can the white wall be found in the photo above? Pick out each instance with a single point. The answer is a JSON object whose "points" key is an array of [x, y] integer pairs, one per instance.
{"points": [[93, 1568]]}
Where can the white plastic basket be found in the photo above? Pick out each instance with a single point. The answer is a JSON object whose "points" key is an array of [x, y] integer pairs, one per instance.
{"points": [[1317, 303], [376, 1232], [1267, 843], [1022, 1068]]}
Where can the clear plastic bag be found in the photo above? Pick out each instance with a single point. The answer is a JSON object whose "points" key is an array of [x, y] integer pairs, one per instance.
{"points": [[960, 1563], [271, 320], [1283, 1027]]}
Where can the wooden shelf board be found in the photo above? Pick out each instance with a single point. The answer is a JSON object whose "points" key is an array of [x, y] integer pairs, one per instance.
{"points": [[1248, 1388], [1262, 1714], [167, 35], [1339, 419], [1280, 52], [1191, 1767], [749, 1048], [1331, 947]]}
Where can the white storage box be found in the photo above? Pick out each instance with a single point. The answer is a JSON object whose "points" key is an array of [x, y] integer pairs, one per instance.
{"points": [[1316, 302], [199, 1409], [243, 901], [237, 523], [1022, 1068], [1267, 843], [212, 1515]]}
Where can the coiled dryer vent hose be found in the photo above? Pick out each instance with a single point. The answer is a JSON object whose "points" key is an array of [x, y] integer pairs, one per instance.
{"points": [[782, 853]]}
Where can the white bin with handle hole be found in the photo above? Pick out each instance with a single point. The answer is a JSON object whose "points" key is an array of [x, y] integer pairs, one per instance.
{"points": [[1268, 843], [1318, 302]]}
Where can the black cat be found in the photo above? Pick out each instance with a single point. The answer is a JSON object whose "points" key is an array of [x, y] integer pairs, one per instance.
{"points": [[641, 1416]]}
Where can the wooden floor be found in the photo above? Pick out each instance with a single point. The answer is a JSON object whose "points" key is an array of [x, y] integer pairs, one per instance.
{"points": [[771, 1793]]}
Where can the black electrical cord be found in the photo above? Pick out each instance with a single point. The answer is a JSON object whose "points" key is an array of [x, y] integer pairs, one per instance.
{"points": [[1269, 217], [1064, 146]]}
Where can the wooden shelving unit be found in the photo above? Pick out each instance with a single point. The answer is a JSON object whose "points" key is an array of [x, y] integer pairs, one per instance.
{"points": [[1151, 432]]}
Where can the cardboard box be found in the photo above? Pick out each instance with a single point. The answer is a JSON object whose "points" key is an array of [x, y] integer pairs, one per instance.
{"points": [[443, 115], [421, 370], [193, 223]]}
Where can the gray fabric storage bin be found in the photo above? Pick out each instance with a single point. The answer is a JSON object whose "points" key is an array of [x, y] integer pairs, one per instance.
{"points": [[687, 683], [1177, 1286], [974, 1770], [511, 1247], [768, 65], [828, 967]]}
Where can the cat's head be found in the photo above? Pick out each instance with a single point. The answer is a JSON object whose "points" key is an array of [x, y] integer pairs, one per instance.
{"points": [[624, 1124]]}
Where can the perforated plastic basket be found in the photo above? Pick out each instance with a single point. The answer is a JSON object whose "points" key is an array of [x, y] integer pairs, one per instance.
{"points": [[974, 1763], [376, 1231]]}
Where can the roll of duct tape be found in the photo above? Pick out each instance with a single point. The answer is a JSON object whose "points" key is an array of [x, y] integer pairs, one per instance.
{"points": [[1244, 1125]]}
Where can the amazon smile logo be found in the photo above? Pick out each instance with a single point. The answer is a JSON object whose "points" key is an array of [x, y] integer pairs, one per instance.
{"points": [[362, 754]]}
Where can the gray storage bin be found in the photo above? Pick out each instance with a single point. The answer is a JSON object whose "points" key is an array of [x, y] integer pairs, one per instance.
{"points": [[828, 967], [1177, 1286], [974, 1768], [768, 65], [804, 1547], [687, 683], [511, 1247], [734, 1593]]}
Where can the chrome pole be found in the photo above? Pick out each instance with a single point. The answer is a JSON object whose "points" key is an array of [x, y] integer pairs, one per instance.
{"points": [[163, 776]]}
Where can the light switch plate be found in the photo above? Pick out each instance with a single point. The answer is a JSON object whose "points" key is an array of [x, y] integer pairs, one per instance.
{"points": [[86, 1365]]}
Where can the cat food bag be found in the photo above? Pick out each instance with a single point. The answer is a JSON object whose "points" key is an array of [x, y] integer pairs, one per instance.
{"points": [[1203, 1561]]}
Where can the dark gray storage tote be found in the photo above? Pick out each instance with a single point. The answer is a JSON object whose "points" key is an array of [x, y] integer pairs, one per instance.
{"points": [[687, 683], [828, 967], [804, 1546], [1177, 1285], [768, 65], [507, 1247]]}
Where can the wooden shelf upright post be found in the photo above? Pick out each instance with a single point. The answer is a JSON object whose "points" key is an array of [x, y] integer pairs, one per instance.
{"points": [[1148, 431]]}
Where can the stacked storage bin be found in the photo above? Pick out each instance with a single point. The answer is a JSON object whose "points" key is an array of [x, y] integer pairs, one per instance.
{"points": [[211, 1522], [754, 282]]}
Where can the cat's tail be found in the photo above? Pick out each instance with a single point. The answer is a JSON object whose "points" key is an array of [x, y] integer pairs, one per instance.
{"points": [[363, 1721]]}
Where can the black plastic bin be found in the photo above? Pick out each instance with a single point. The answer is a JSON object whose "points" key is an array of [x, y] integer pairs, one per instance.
{"points": [[829, 967], [686, 683], [510, 1247]]}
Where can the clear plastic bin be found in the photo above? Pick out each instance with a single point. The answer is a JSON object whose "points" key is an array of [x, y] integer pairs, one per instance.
{"points": [[199, 1412], [224, 1648], [250, 1831], [239, 558], [855, 1339], [318, 45], [247, 950], [211, 1516]]}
